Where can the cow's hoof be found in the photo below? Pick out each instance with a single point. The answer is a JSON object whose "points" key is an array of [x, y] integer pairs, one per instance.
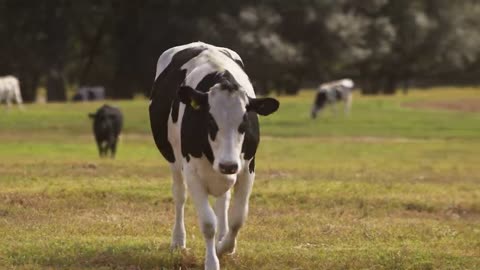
{"points": [[226, 248], [212, 263], [177, 246]]}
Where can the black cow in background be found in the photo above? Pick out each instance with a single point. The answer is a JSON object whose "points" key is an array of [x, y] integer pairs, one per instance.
{"points": [[107, 125], [89, 93]]}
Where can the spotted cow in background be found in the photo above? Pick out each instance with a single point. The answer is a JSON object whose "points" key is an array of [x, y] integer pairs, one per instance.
{"points": [[10, 91], [203, 115], [331, 93]]}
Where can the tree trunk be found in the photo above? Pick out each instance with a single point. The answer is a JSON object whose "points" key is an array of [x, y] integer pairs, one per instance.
{"points": [[122, 86], [390, 85], [371, 87], [92, 52], [126, 40], [56, 49], [405, 86], [29, 85], [56, 87]]}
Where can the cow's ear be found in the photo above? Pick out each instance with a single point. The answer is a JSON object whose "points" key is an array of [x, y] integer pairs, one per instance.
{"points": [[263, 106], [192, 97], [92, 115]]}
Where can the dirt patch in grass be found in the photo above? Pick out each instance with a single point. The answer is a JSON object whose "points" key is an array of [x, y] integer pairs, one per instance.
{"points": [[462, 105]]}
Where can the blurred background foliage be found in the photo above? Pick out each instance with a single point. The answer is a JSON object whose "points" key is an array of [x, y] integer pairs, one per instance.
{"points": [[384, 45]]}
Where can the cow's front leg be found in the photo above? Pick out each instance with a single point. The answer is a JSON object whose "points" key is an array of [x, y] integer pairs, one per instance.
{"points": [[207, 219], [113, 147], [100, 148], [314, 112], [8, 102], [179, 197], [238, 211], [221, 210]]}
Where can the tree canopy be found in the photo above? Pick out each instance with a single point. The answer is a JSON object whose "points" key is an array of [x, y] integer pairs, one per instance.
{"points": [[382, 44]]}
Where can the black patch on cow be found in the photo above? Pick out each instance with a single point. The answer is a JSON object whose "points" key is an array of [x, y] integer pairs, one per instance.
{"points": [[212, 127], [198, 124], [228, 82], [225, 79], [208, 81], [338, 94], [321, 99], [175, 108], [251, 166], [252, 135], [243, 126], [107, 125], [194, 134], [238, 61], [164, 99]]}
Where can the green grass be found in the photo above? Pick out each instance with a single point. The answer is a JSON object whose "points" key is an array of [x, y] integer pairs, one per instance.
{"points": [[390, 187]]}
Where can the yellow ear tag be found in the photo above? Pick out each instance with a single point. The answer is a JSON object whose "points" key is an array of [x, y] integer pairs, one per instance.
{"points": [[194, 105]]}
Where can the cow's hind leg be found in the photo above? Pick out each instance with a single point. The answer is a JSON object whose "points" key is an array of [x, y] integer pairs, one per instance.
{"points": [[333, 106], [18, 98], [238, 211], [179, 197]]}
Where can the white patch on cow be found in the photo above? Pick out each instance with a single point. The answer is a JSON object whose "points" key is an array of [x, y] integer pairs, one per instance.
{"points": [[347, 83], [166, 58]]}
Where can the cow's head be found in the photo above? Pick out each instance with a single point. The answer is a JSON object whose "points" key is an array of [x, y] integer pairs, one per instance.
{"points": [[319, 102], [101, 119], [226, 112]]}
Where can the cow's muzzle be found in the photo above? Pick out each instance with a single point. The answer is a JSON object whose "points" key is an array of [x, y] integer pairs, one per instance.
{"points": [[228, 168]]}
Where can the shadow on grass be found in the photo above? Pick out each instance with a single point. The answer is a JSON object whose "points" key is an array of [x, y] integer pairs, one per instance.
{"points": [[122, 256]]}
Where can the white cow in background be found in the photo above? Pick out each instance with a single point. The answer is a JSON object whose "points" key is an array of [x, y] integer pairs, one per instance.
{"points": [[331, 93], [10, 91]]}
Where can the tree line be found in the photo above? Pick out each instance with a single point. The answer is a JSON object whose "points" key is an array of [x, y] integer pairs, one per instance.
{"points": [[384, 45]]}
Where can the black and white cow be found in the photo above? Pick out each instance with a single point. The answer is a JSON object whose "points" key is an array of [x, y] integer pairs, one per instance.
{"points": [[203, 115], [10, 91], [107, 125], [331, 93]]}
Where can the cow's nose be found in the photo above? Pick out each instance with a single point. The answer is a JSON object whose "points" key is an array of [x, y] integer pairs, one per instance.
{"points": [[228, 168]]}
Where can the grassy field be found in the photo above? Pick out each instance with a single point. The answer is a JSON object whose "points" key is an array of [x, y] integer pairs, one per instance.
{"points": [[391, 187]]}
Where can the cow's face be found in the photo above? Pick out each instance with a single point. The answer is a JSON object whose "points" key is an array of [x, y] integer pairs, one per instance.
{"points": [[319, 103], [227, 121], [102, 121]]}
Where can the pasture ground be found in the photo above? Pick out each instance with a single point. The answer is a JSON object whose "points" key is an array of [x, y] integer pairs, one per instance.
{"points": [[391, 187]]}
